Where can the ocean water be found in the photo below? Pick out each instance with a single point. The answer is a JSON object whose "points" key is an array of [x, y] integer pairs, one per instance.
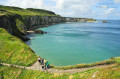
{"points": [[76, 43]]}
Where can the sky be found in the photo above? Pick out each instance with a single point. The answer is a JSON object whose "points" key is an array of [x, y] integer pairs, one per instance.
{"points": [[98, 9]]}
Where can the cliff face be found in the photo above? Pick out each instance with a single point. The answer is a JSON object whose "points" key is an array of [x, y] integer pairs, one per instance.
{"points": [[12, 25], [41, 21], [6, 24], [18, 25], [9, 23]]}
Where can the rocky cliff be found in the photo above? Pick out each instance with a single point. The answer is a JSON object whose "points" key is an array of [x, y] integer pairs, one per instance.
{"points": [[41, 21], [9, 23]]}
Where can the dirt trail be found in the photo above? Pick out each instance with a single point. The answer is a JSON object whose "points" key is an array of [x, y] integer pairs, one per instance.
{"points": [[37, 66]]}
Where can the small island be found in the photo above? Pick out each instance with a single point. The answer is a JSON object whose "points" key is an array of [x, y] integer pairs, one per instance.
{"points": [[104, 21]]}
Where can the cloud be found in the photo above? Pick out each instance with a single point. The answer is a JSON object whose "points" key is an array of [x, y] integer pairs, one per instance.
{"points": [[67, 8], [75, 7], [109, 11], [1, 2], [117, 1], [25, 3]]}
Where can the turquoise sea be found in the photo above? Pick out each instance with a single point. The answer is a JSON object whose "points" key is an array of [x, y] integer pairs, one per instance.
{"points": [[75, 43]]}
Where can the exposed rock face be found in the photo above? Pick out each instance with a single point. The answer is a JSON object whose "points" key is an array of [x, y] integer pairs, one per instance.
{"points": [[6, 24], [9, 23], [41, 21]]}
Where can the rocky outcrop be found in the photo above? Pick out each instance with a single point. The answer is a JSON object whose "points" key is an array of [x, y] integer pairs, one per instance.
{"points": [[39, 32], [9, 23], [104, 21], [41, 21]]}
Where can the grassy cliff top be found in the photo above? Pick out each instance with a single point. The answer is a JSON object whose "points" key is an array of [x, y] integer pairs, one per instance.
{"points": [[15, 51], [28, 11]]}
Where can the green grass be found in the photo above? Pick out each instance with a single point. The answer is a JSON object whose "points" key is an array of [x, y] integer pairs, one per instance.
{"points": [[30, 11], [15, 51], [111, 72], [20, 25], [105, 62]]}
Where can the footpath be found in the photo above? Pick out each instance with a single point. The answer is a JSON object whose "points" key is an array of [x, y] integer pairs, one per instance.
{"points": [[37, 66]]}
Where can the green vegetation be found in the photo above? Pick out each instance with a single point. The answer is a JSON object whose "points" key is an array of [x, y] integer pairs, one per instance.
{"points": [[111, 72], [2, 13], [29, 11], [20, 25], [15, 51], [106, 62]]}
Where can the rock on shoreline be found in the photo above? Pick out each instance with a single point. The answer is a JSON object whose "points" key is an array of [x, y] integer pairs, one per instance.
{"points": [[39, 32]]}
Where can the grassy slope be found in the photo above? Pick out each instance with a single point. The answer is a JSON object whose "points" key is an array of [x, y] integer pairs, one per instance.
{"points": [[112, 72], [15, 51], [105, 62], [24, 12]]}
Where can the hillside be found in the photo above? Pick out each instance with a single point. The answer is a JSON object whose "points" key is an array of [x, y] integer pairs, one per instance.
{"points": [[16, 10], [15, 51]]}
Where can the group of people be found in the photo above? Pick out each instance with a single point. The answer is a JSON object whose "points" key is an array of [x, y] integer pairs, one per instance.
{"points": [[45, 64]]}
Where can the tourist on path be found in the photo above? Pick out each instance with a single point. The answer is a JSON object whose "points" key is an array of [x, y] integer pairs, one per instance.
{"points": [[48, 65], [39, 60], [42, 61], [45, 62]]}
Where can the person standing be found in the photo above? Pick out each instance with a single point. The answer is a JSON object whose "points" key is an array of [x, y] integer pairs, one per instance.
{"points": [[48, 65], [39, 60], [45, 62], [42, 61]]}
